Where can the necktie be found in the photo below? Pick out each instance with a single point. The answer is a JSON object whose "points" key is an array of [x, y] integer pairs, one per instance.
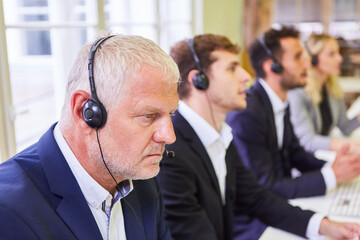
{"points": [[325, 111], [286, 142]]}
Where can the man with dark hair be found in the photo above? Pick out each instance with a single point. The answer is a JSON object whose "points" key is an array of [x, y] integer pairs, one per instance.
{"points": [[259, 54], [206, 182], [263, 134]]}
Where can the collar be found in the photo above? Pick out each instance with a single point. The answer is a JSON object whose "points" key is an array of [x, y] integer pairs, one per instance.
{"points": [[207, 134], [93, 192], [277, 104]]}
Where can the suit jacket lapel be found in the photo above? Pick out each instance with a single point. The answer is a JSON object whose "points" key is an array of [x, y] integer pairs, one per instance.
{"points": [[262, 95], [287, 129], [273, 139], [73, 208], [232, 158], [130, 219], [189, 134]]}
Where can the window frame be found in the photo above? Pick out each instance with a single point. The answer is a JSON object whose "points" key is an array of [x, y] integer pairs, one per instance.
{"points": [[7, 112]]}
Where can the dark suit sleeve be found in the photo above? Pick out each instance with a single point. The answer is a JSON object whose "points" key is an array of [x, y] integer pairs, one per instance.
{"points": [[254, 200], [13, 227], [163, 229], [185, 216], [258, 149]]}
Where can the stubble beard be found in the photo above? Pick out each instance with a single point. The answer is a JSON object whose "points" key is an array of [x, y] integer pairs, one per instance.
{"points": [[288, 82]]}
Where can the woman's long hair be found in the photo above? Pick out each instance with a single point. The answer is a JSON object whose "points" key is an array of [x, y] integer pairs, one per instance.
{"points": [[313, 88]]}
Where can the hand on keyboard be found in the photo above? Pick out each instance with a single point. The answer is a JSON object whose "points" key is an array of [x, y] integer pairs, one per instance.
{"points": [[338, 230], [346, 165]]}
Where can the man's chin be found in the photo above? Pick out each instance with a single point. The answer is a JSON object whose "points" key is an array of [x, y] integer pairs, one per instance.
{"points": [[299, 85], [303, 82], [243, 106], [151, 172]]}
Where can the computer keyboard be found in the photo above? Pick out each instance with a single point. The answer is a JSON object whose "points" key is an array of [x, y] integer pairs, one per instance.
{"points": [[347, 200]]}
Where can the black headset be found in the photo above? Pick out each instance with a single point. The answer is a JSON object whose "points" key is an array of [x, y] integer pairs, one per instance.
{"points": [[93, 111], [94, 114], [200, 80], [276, 67], [314, 58]]}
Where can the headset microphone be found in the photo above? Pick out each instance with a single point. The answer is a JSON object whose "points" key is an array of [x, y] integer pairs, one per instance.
{"points": [[170, 154]]}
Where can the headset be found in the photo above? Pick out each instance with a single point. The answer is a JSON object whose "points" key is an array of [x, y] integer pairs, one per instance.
{"points": [[276, 67], [314, 58], [94, 114], [93, 111], [200, 80]]}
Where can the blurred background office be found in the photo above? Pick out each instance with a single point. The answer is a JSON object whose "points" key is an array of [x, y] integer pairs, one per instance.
{"points": [[39, 40]]}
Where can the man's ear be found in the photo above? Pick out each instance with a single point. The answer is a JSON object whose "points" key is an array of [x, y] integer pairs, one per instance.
{"points": [[267, 66], [191, 75], [78, 99]]}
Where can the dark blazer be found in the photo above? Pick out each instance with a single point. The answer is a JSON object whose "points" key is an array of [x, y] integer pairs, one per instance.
{"points": [[193, 206], [256, 141], [41, 199]]}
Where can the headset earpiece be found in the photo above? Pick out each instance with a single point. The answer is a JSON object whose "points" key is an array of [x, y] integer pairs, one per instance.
{"points": [[314, 60], [276, 67], [200, 80], [93, 111]]}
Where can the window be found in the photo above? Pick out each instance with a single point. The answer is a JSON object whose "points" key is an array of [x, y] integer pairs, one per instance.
{"points": [[339, 18], [44, 36]]}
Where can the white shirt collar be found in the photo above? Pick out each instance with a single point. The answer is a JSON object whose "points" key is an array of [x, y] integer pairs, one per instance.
{"points": [[278, 107], [277, 104], [207, 134], [93, 192]]}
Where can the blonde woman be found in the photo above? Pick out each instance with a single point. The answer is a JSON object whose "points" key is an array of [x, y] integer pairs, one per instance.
{"points": [[319, 107]]}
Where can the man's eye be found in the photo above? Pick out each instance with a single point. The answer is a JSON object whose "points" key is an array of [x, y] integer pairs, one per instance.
{"points": [[149, 116], [232, 69], [146, 119]]}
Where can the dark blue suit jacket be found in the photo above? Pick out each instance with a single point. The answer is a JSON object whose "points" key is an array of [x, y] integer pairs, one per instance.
{"points": [[256, 141], [193, 206], [41, 199]]}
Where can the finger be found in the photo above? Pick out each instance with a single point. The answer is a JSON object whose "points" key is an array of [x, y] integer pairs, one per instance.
{"points": [[354, 229], [344, 149]]}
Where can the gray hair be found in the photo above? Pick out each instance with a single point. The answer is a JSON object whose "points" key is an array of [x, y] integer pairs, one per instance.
{"points": [[115, 61]]}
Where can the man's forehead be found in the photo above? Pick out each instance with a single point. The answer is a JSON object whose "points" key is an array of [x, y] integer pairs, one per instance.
{"points": [[153, 105], [290, 46], [224, 55], [158, 93], [219, 52], [288, 43]]}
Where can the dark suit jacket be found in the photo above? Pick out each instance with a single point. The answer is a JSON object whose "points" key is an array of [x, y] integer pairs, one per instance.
{"points": [[41, 199], [193, 206], [256, 141]]}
